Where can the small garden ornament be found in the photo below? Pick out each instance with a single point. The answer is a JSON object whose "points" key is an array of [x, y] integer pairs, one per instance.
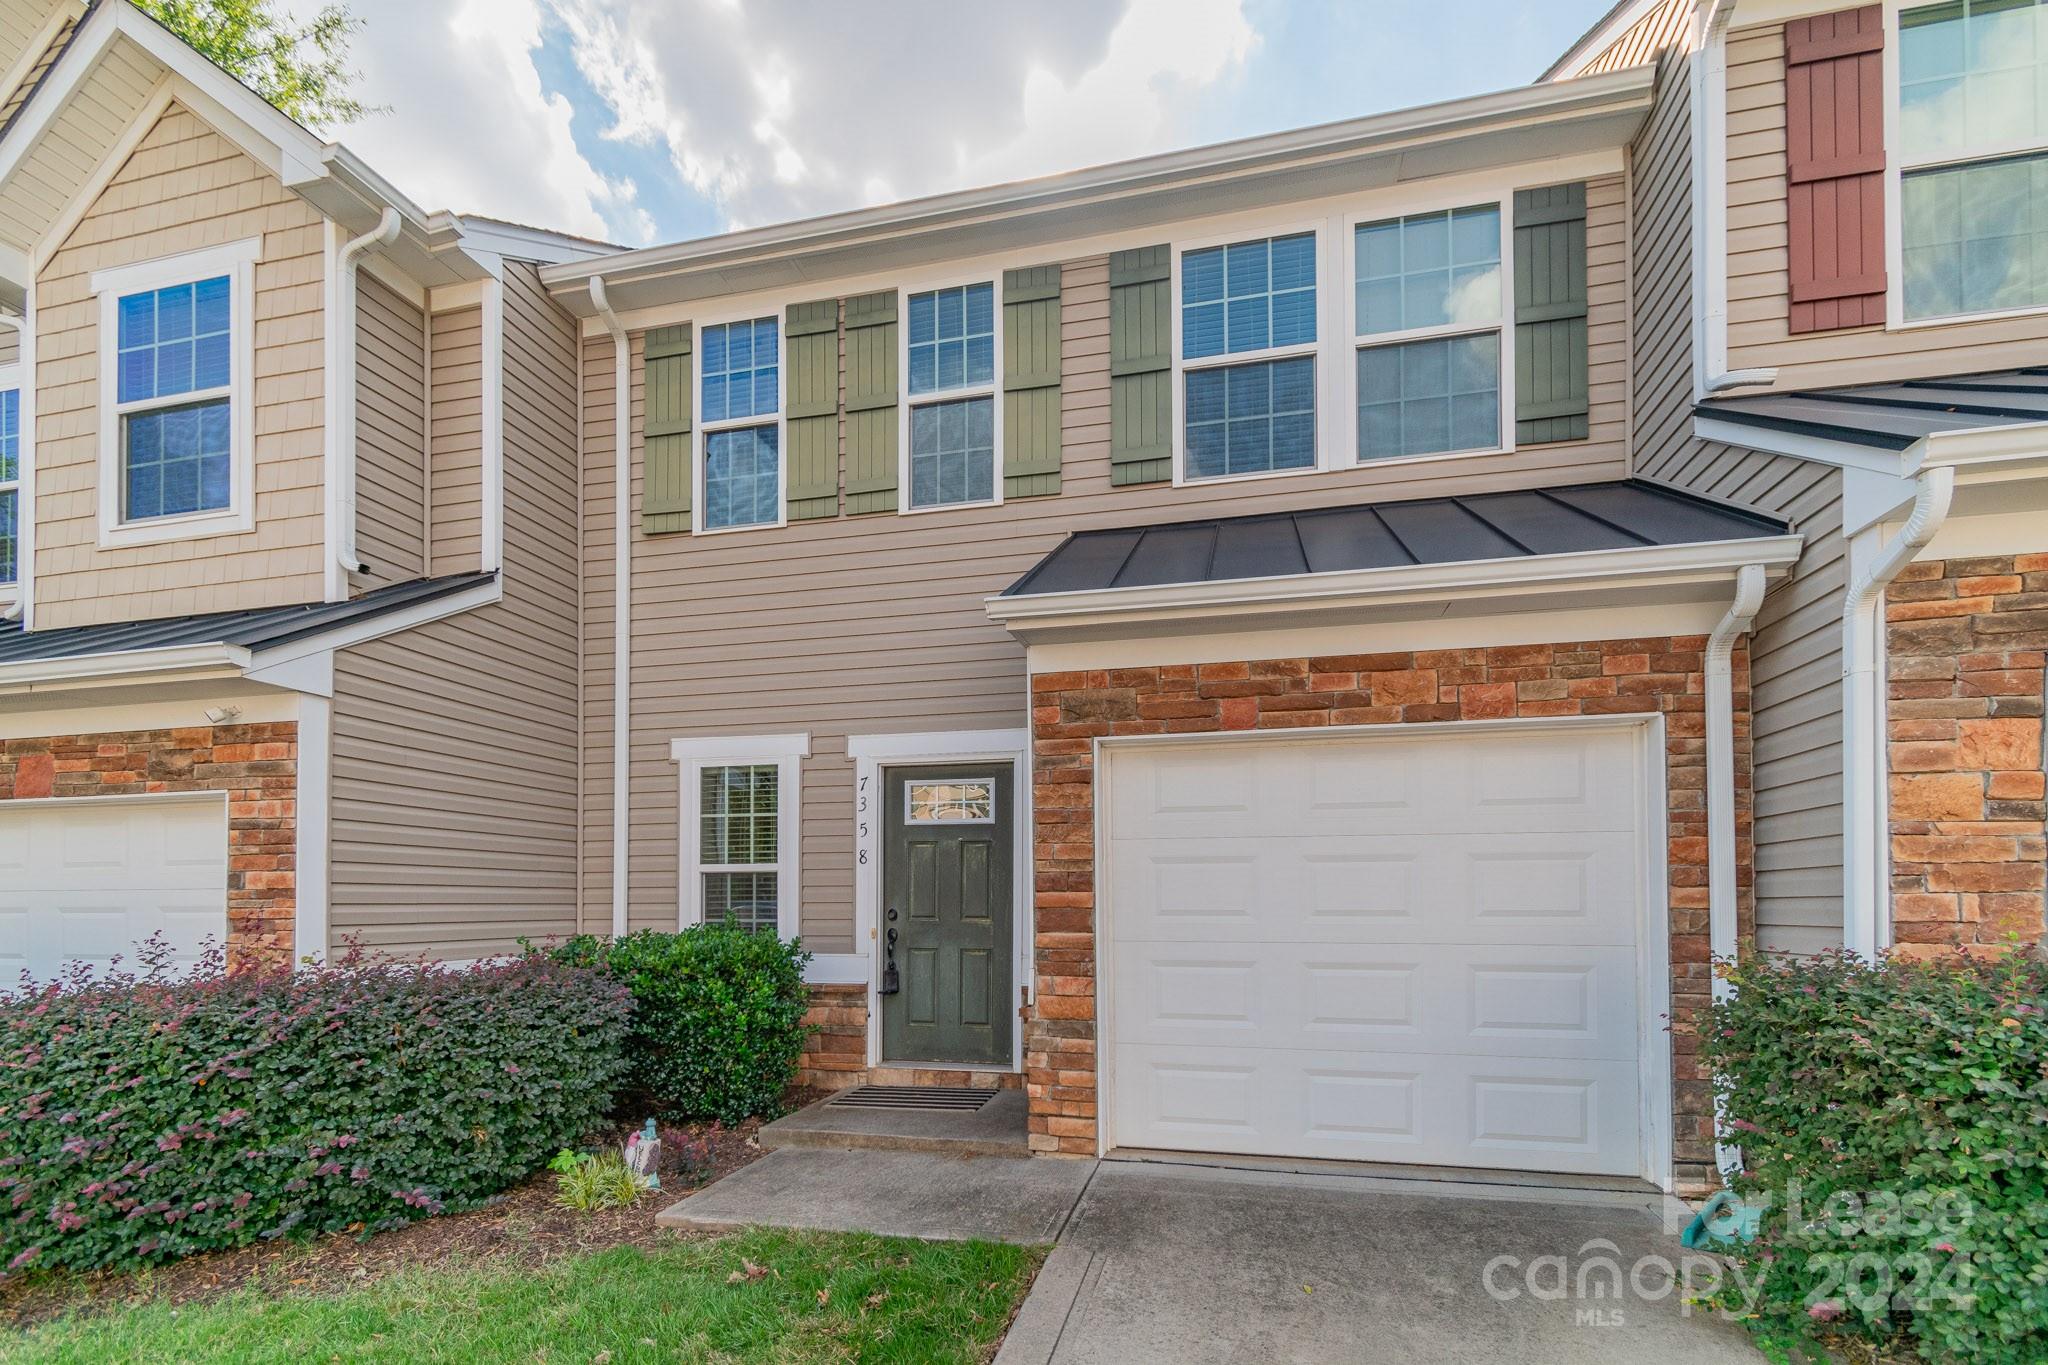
{"points": [[643, 1155]]}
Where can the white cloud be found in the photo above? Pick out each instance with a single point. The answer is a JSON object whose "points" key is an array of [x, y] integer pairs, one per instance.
{"points": [[773, 109], [470, 127]]}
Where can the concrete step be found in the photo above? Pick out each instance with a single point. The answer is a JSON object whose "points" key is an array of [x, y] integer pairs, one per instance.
{"points": [[995, 1129]]}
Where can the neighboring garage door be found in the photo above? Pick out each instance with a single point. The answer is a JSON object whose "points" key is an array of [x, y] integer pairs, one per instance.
{"points": [[93, 878], [1418, 948]]}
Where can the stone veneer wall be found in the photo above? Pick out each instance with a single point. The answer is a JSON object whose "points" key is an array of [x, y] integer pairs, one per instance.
{"points": [[1969, 826], [256, 765], [1604, 678]]}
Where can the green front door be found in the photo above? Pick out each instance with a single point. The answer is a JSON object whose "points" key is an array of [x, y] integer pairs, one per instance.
{"points": [[947, 914]]}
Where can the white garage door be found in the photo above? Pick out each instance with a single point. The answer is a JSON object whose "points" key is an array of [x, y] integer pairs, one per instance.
{"points": [[93, 878], [1404, 948]]}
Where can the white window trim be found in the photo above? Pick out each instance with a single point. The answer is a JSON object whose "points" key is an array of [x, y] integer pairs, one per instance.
{"points": [[702, 431], [1319, 350], [787, 753], [10, 589], [1896, 167], [237, 261], [993, 390], [1503, 326]]}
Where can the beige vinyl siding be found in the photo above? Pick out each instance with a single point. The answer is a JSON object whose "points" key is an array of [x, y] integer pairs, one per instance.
{"points": [[1663, 24], [10, 346], [874, 624], [391, 434], [1758, 302], [454, 787], [184, 188], [455, 479], [1795, 648]]}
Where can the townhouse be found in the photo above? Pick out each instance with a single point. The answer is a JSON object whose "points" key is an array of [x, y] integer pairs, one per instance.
{"points": [[1304, 647]]}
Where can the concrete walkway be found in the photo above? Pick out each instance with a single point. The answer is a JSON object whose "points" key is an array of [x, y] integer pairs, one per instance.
{"points": [[895, 1194], [1195, 1265], [1204, 1265]]}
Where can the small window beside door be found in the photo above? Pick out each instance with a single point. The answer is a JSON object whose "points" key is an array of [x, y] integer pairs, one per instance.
{"points": [[741, 796]]}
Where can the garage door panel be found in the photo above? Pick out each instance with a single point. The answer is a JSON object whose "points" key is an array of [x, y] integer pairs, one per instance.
{"points": [[1522, 1001], [93, 880], [1566, 886], [1408, 948], [1547, 1114], [1333, 786]]}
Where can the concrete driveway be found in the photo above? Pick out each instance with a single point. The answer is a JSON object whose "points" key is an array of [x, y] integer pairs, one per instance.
{"points": [[1189, 1264]]}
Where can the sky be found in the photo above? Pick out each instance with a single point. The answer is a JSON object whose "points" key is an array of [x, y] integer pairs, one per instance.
{"points": [[642, 121]]}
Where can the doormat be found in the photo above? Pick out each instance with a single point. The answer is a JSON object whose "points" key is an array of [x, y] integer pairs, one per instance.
{"points": [[941, 1097]]}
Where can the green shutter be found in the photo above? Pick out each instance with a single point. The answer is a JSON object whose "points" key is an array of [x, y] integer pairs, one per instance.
{"points": [[665, 430], [871, 403], [1551, 386], [811, 339], [1031, 382], [1140, 367]]}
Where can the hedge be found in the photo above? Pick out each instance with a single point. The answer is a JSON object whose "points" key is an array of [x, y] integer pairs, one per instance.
{"points": [[147, 1119], [1895, 1116], [718, 1016]]}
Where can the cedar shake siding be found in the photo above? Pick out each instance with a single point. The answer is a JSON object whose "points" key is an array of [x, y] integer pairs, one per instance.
{"points": [[1796, 644], [1761, 295], [861, 624], [391, 435], [183, 188], [454, 771]]}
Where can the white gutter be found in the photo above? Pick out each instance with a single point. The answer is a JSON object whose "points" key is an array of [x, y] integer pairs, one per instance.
{"points": [[1863, 740], [622, 594], [342, 487], [1720, 685], [124, 664]]}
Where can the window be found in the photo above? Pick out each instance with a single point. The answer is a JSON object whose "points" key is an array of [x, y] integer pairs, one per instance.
{"points": [[1247, 346], [741, 383], [176, 433], [172, 399], [1973, 153], [738, 816], [950, 360], [971, 802], [1427, 313], [740, 799], [10, 485]]}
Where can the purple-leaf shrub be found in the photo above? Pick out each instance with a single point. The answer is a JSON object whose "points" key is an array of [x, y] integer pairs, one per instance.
{"points": [[145, 1117]]}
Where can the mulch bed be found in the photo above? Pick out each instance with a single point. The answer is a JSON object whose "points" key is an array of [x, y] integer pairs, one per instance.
{"points": [[523, 1226]]}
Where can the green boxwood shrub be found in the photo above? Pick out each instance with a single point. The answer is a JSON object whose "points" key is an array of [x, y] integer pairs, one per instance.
{"points": [[718, 1016], [1895, 1117], [143, 1119]]}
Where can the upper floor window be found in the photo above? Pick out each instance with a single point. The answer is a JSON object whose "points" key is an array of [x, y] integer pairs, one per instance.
{"points": [[176, 427], [741, 382], [172, 399], [1247, 346], [1973, 156], [10, 485], [1427, 317], [950, 349]]}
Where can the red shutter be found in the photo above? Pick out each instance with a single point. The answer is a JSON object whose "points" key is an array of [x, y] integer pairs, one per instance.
{"points": [[1834, 154]]}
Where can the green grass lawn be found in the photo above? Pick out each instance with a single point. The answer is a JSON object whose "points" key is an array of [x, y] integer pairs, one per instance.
{"points": [[823, 1297]]}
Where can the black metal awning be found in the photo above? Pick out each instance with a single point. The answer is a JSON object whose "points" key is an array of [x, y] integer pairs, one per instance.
{"points": [[1893, 417]]}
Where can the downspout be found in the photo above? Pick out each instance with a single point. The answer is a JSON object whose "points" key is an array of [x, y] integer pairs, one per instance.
{"points": [[1722, 889], [378, 238], [622, 593], [1863, 743], [1711, 374], [24, 510]]}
